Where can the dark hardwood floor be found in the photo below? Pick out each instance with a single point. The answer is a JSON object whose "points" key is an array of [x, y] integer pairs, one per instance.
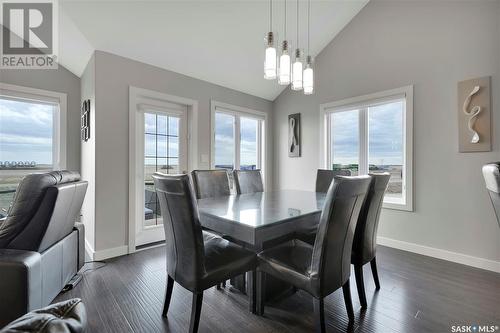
{"points": [[418, 294]]}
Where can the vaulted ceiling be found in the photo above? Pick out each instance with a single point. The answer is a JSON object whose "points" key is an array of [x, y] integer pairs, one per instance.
{"points": [[221, 42]]}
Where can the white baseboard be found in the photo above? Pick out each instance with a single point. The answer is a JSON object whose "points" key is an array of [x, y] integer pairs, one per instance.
{"points": [[460, 258], [105, 254]]}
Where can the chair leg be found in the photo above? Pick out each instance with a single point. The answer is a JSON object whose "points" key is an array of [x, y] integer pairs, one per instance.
{"points": [[224, 284], [252, 291], [319, 314], [358, 272], [373, 265], [348, 301], [195, 312], [260, 286], [168, 295]]}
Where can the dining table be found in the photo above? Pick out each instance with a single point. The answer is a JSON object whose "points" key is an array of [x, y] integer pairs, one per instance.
{"points": [[261, 220]]}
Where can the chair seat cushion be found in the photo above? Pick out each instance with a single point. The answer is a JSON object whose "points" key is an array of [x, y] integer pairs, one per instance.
{"points": [[289, 261], [225, 259], [64, 317]]}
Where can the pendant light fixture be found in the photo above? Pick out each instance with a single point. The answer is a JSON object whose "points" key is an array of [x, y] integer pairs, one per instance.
{"points": [[270, 54], [297, 65], [284, 63], [308, 76]]}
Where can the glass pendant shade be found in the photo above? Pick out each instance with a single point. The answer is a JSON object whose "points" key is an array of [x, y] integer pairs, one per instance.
{"points": [[297, 72], [270, 58], [308, 77], [284, 66]]}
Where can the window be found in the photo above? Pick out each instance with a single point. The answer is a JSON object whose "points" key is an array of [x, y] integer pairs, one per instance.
{"points": [[237, 137], [30, 136], [161, 153], [373, 134]]}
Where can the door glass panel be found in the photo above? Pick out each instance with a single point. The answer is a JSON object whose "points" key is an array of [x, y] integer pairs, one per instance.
{"points": [[385, 144], [249, 144], [224, 141], [161, 154], [344, 131]]}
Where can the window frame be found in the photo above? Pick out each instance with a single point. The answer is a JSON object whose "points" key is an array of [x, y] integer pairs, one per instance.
{"points": [[237, 112], [362, 103], [59, 123]]}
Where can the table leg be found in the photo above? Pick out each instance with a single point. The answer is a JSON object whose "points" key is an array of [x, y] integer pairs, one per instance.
{"points": [[267, 288], [239, 284]]}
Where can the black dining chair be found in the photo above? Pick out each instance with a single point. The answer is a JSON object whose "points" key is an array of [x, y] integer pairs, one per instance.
{"points": [[248, 181], [491, 174], [194, 263], [324, 178], [325, 267], [210, 183], [364, 247]]}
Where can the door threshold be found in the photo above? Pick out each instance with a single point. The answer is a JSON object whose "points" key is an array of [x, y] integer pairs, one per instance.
{"points": [[149, 246]]}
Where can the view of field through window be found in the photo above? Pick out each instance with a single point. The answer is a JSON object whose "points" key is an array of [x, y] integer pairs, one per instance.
{"points": [[26, 143], [385, 142]]}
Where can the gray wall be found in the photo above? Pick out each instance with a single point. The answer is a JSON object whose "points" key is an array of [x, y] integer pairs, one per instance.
{"points": [[59, 80], [432, 45], [113, 76]]}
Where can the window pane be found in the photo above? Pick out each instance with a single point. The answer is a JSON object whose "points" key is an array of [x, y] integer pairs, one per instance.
{"points": [[161, 149], [26, 143], [224, 141], [173, 166], [150, 123], [161, 145], [173, 146], [385, 144], [149, 145], [173, 126], [161, 123], [249, 144], [344, 129]]}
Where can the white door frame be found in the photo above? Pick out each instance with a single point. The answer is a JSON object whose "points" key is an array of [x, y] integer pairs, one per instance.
{"points": [[138, 97]]}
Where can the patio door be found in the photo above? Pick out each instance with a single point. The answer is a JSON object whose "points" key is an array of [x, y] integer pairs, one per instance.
{"points": [[164, 149]]}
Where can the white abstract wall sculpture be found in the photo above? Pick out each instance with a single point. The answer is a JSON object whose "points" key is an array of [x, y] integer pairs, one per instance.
{"points": [[472, 114]]}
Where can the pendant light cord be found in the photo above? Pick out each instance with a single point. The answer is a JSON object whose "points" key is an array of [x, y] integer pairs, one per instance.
{"points": [[270, 15], [308, 25], [297, 24], [285, 22]]}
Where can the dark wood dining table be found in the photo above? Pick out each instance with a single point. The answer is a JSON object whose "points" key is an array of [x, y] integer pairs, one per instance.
{"points": [[261, 220]]}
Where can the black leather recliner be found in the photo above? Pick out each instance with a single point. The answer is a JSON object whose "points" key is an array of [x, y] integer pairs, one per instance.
{"points": [[491, 174], [41, 246]]}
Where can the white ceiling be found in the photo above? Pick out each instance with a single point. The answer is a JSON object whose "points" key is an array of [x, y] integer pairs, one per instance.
{"points": [[221, 42]]}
